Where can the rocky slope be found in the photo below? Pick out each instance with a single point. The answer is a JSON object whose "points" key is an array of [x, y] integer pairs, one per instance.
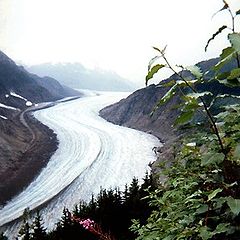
{"points": [[135, 111], [25, 144]]}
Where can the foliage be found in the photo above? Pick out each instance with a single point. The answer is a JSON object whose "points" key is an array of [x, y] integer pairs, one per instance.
{"points": [[111, 213], [201, 197], [32, 230]]}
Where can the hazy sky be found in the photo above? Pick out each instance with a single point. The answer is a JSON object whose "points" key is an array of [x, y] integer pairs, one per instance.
{"points": [[115, 35]]}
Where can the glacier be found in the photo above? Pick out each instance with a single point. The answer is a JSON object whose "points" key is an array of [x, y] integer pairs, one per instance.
{"points": [[92, 153]]}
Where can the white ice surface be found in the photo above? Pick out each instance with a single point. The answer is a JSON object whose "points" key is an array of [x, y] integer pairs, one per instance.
{"points": [[92, 153]]}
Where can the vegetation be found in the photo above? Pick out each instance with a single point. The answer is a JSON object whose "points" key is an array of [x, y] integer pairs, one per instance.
{"points": [[200, 199], [108, 216]]}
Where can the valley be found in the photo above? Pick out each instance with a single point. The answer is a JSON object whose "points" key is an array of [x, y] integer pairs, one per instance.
{"points": [[92, 153]]}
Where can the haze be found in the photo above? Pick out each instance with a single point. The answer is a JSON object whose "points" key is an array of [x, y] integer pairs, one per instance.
{"points": [[111, 34]]}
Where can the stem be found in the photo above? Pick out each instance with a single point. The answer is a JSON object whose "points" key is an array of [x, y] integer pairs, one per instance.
{"points": [[233, 30], [210, 117], [233, 22]]}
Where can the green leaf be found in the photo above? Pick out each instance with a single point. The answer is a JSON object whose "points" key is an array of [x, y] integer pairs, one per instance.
{"points": [[226, 52], [234, 205], [238, 12], [167, 84], [214, 194], [222, 63], [202, 209], [195, 70], [235, 73], [184, 118], [234, 39], [223, 76], [226, 56], [236, 153], [153, 70], [205, 233], [212, 158], [215, 34], [221, 228], [168, 95]]}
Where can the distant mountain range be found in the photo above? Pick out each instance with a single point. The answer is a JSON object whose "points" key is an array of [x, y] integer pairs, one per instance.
{"points": [[75, 75], [15, 80]]}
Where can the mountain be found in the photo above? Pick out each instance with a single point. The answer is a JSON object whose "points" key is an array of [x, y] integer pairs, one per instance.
{"points": [[75, 75], [25, 144], [16, 79], [135, 110]]}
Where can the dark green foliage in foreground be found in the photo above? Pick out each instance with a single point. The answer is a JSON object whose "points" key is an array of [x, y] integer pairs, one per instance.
{"points": [[112, 210], [201, 197]]}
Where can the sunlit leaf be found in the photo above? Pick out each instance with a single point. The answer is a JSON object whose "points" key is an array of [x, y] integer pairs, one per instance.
{"points": [[168, 95], [234, 39], [235, 73], [222, 63], [167, 84], [234, 205], [226, 52], [214, 194], [223, 76], [215, 34], [195, 70], [153, 70], [185, 117]]}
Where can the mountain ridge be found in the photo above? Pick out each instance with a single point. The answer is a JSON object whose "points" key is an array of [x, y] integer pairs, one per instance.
{"points": [[75, 75], [26, 145], [135, 110]]}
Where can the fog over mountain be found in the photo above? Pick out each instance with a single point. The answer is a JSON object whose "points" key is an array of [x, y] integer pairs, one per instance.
{"points": [[75, 75]]}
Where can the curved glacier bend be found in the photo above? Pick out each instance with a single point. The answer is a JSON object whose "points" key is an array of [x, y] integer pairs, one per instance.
{"points": [[92, 153]]}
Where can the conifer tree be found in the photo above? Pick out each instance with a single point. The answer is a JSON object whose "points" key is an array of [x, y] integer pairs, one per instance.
{"points": [[25, 230], [39, 232]]}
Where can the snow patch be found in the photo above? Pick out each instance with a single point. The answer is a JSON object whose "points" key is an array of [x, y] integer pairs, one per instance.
{"points": [[17, 95], [8, 107], [28, 104], [3, 117]]}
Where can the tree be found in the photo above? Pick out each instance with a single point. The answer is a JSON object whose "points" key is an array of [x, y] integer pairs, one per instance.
{"points": [[39, 232], [25, 230]]}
